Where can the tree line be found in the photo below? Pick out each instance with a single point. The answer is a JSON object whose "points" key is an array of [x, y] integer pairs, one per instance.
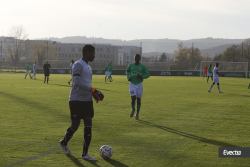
{"points": [[17, 46], [236, 53], [189, 58]]}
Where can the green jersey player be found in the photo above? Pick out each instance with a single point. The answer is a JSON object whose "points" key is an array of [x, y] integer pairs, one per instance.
{"points": [[110, 72], [210, 72], [106, 72], [135, 74], [28, 71]]}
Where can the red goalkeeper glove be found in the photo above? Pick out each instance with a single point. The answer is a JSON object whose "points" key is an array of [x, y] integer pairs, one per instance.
{"points": [[97, 95]]}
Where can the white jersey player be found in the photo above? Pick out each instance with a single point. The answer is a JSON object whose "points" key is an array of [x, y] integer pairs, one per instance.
{"points": [[71, 66], [216, 78], [34, 70], [80, 102]]}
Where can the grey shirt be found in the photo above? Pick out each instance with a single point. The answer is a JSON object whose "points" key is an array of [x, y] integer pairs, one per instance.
{"points": [[81, 84]]}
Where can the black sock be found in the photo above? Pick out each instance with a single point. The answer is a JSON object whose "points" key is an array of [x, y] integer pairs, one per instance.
{"points": [[47, 79], [68, 135], [87, 139], [44, 79]]}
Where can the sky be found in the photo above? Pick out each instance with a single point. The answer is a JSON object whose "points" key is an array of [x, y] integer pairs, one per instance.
{"points": [[128, 19]]}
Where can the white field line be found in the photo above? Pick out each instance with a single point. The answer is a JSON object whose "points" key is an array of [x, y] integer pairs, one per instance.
{"points": [[34, 157], [28, 143]]}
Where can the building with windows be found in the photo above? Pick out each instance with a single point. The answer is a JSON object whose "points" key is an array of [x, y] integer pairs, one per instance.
{"points": [[119, 56], [104, 53]]}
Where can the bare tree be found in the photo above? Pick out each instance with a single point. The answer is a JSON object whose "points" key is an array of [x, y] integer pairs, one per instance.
{"points": [[17, 44], [40, 51]]}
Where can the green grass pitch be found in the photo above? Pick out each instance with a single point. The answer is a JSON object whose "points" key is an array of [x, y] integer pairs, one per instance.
{"points": [[181, 124]]}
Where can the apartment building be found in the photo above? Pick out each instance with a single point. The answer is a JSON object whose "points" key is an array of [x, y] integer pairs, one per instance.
{"points": [[104, 53]]}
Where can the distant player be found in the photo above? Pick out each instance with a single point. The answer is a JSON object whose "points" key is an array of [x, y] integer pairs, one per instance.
{"points": [[80, 101], [136, 72], [210, 73], [28, 71], [216, 78], [71, 65], [106, 72], [47, 71], [34, 70], [205, 71], [110, 72]]}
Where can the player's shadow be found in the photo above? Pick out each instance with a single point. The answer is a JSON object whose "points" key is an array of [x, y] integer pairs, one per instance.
{"points": [[115, 163], [202, 139], [75, 160], [78, 163]]}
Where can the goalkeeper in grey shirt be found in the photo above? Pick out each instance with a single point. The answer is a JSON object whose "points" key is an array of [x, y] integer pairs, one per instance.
{"points": [[80, 101]]}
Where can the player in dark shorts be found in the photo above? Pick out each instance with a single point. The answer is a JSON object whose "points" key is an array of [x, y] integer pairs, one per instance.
{"points": [[46, 70], [80, 101]]}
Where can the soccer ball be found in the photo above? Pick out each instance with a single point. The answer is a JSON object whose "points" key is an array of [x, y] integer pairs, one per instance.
{"points": [[106, 151]]}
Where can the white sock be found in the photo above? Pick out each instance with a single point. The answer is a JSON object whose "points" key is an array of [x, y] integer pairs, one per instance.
{"points": [[218, 86], [211, 86]]}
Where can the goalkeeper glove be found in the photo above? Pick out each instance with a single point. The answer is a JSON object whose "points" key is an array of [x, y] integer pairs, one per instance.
{"points": [[97, 95]]}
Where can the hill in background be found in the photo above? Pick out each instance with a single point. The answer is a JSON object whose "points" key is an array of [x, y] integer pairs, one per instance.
{"points": [[210, 46]]}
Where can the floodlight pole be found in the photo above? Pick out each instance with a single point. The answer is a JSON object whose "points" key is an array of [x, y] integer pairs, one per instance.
{"points": [[1, 56], [47, 50], [242, 53], [192, 54], [141, 50], [94, 60], [248, 54]]}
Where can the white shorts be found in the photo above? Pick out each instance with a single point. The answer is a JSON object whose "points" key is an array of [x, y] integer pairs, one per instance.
{"points": [[216, 80], [107, 73], [136, 90], [27, 72], [209, 74]]}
